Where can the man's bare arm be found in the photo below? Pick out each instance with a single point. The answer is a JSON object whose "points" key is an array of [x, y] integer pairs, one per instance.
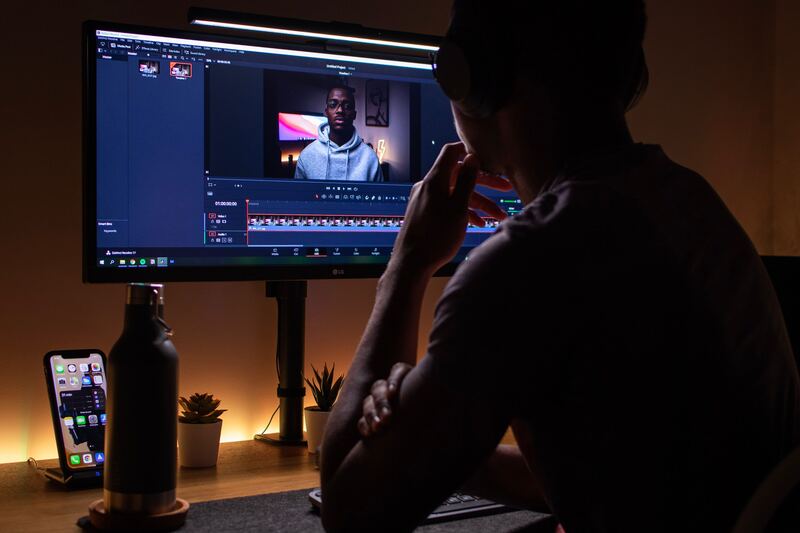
{"points": [[390, 337], [506, 478], [392, 329], [364, 482]]}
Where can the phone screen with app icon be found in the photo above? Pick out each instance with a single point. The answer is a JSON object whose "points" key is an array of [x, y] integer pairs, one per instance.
{"points": [[78, 397]]}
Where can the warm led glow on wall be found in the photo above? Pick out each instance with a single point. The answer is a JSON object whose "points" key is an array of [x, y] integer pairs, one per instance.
{"points": [[237, 431], [235, 428], [12, 451]]}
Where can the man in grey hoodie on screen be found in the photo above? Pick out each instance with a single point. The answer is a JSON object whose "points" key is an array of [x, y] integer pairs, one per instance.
{"points": [[339, 153]]}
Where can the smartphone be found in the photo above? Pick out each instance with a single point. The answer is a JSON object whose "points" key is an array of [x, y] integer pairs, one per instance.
{"points": [[76, 382]]}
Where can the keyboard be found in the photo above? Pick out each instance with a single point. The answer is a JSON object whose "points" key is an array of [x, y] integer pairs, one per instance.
{"points": [[455, 507]]}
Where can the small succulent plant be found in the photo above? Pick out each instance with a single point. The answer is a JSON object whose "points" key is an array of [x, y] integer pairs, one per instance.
{"points": [[199, 409], [325, 390]]}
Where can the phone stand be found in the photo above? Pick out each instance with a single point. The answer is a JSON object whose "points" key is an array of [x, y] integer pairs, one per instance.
{"points": [[89, 478]]}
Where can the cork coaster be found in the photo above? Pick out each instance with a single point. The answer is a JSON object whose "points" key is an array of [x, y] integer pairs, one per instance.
{"points": [[103, 520]]}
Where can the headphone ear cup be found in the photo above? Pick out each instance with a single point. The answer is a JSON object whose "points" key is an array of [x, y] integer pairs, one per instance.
{"points": [[453, 72], [477, 85]]}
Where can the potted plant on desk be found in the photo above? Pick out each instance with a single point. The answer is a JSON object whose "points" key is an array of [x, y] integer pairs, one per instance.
{"points": [[199, 428], [325, 391]]}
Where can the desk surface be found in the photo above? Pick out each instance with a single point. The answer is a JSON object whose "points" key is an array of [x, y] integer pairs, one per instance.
{"points": [[29, 502]]}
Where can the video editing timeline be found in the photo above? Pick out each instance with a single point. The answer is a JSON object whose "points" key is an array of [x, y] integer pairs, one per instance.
{"points": [[314, 220]]}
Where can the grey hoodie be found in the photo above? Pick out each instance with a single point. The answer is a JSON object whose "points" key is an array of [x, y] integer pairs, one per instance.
{"points": [[325, 160]]}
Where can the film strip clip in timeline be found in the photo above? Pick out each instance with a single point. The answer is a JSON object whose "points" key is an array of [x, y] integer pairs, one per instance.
{"points": [[264, 222]]}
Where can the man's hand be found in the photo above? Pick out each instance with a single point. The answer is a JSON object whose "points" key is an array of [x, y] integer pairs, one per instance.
{"points": [[378, 406], [440, 206], [505, 476]]}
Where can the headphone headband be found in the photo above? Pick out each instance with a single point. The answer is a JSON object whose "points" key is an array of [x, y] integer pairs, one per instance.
{"points": [[476, 74]]}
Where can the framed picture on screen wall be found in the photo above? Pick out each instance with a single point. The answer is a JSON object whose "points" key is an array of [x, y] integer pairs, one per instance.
{"points": [[377, 102]]}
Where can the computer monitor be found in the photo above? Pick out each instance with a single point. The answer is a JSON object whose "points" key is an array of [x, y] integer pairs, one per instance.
{"points": [[211, 157]]}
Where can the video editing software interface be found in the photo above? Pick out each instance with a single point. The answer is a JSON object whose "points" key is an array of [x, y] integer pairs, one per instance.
{"points": [[215, 154]]}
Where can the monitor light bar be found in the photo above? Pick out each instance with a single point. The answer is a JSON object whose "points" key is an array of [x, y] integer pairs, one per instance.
{"points": [[316, 35], [268, 50]]}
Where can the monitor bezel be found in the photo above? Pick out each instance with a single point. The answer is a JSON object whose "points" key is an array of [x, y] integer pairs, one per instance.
{"points": [[93, 273]]}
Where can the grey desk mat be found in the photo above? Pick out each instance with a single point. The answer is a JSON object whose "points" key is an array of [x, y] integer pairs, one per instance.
{"points": [[290, 512]]}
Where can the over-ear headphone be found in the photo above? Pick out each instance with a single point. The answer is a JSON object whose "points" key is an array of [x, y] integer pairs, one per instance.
{"points": [[475, 67], [477, 61]]}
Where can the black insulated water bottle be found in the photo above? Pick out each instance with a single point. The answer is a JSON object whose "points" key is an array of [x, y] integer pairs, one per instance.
{"points": [[141, 434]]}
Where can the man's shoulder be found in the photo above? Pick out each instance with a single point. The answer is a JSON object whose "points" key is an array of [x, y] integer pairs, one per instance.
{"points": [[364, 150], [512, 255], [531, 240], [312, 149], [598, 214]]}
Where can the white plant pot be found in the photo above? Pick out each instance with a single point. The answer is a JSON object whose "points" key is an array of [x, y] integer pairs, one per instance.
{"points": [[198, 444], [315, 424]]}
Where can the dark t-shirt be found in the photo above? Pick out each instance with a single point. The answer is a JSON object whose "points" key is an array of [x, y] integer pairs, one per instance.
{"points": [[629, 321]]}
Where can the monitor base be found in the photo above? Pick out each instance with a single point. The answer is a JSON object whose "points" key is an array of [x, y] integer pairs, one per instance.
{"points": [[277, 440], [290, 356]]}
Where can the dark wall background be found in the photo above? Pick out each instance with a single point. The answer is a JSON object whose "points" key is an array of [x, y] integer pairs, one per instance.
{"points": [[710, 105], [235, 105]]}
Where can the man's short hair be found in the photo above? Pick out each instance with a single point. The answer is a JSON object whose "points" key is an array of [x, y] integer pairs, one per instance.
{"points": [[581, 48], [351, 92]]}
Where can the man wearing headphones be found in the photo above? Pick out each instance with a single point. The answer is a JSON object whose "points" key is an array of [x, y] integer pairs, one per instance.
{"points": [[622, 323]]}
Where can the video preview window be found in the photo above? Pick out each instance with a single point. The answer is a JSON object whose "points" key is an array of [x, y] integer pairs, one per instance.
{"points": [[272, 124]]}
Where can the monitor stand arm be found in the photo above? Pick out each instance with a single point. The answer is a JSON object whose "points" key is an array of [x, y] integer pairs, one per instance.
{"points": [[291, 297]]}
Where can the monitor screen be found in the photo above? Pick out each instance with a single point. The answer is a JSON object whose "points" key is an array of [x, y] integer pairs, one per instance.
{"points": [[218, 158]]}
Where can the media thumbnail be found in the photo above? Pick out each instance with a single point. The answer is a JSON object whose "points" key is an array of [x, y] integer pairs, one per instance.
{"points": [[148, 66], [180, 70]]}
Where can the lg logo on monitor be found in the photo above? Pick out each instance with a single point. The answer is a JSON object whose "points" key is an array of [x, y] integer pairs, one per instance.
{"points": [[337, 272]]}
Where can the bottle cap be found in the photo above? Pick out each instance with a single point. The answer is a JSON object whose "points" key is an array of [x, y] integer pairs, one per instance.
{"points": [[143, 294]]}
